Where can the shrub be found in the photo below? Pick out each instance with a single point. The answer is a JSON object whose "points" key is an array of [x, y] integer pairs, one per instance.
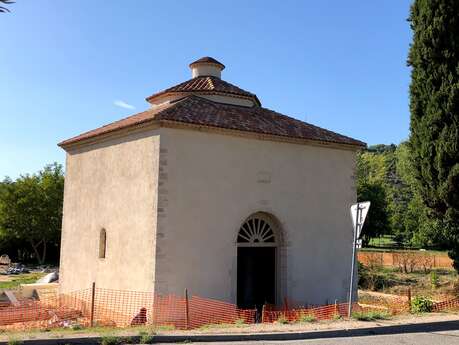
{"points": [[455, 288], [371, 315], [303, 317], [434, 280], [421, 304], [374, 279]]}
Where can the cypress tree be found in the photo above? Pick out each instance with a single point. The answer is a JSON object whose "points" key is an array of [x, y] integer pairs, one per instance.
{"points": [[434, 107]]}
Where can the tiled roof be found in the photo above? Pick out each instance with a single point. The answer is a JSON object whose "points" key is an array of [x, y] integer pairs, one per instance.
{"points": [[196, 110], [207, 84], [208, 59], [133, 120]]}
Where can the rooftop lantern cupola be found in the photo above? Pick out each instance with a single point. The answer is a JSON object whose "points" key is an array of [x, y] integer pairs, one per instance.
{"points": [[206, 82], [206, 66]]}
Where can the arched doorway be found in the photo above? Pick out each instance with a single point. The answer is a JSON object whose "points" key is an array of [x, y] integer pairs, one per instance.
{"points": [[257, 243]]}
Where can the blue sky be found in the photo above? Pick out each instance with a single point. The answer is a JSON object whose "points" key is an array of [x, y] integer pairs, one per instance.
{"points": [[71, 66]]}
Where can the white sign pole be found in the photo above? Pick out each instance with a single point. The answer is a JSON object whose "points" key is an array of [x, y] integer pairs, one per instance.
{"points": [[361, 211], [351, 288]]}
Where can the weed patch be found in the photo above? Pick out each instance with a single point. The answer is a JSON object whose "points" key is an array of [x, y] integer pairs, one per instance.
{"points": [[371, 316], [282, 320], [421, 304], [306, 318], [110, 340]]}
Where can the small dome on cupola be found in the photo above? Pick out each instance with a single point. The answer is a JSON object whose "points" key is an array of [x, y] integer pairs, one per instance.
{"points": [[206, 66]]}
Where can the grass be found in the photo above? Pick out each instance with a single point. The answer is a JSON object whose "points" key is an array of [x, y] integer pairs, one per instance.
{"points": [[390, 280], [98, 331], [336, 317], [382, 241], [371, 315], [26, 278], [306, 318], [282, 320], [237, 323], [397, 250], [386, 243], [147, 338], [110, 340], [14, 342], [165, 328]]}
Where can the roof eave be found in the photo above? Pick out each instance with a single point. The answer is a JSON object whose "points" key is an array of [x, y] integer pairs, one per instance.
{"points": [[358, 145], [73, 143], [76, 142], [163, 94]]}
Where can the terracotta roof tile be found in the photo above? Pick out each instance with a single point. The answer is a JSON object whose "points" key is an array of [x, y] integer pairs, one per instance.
{"points": [[207, 84], [208, 59], [130, 121], [196, 110]]}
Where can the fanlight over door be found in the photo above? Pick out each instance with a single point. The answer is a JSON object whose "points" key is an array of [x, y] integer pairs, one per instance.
{"points": [[256, 232]]}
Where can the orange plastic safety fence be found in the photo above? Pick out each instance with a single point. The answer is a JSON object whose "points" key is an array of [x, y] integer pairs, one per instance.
{"points": [[105, 307], [327, 312], [48, 312], [119, 309], [203, 311], [444, 305]]}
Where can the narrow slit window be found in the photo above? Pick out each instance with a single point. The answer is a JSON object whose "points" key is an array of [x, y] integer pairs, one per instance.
{"points": [[102, 243]]}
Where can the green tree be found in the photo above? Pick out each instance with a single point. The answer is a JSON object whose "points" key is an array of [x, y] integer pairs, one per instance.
{"points": [[31, 210], [371, 186], [434, 107]]}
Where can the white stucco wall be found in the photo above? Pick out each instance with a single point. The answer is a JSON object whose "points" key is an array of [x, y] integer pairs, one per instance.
{"points": [[111, 185], [209, 183]]}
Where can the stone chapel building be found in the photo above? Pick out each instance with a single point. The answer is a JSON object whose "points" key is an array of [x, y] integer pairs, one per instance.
{"points": [[209, 191]]}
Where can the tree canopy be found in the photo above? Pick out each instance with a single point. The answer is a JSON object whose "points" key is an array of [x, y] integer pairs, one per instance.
{"points": [[31, 213], [385, 176], [434, 107]]}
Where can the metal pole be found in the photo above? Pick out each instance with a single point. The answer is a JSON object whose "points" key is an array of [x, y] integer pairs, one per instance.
{"points": [[409, 299], [93, 295], [351, 288], [187, 311]]}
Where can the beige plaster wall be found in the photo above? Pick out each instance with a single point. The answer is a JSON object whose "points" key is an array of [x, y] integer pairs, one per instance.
{"points": [[210, 183], [111, 185]]}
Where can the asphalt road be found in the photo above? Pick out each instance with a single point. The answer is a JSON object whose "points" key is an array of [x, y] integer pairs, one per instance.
{"points": [[427, 338]]}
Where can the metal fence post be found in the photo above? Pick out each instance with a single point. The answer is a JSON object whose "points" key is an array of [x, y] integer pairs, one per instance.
{"points": [[409, 299], [336, 309], [286, 304], [93, 297], [187, 311]]}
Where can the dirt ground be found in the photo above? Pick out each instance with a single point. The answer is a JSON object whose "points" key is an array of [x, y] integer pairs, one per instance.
{"points": [[436, 284], [235, 329]]}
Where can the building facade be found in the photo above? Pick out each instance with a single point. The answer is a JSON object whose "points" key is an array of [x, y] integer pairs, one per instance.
{"points": [[211, 192]]}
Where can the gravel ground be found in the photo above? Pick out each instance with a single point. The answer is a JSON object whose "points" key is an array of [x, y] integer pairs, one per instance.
{"points": [[249, 329], [323, 325]]}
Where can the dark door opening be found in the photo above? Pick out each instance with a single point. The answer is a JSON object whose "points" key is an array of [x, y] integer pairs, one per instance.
{"points": [[256, 276]]}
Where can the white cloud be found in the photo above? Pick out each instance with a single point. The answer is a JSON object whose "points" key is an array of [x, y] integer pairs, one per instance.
{"points": [[123, 104]]}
